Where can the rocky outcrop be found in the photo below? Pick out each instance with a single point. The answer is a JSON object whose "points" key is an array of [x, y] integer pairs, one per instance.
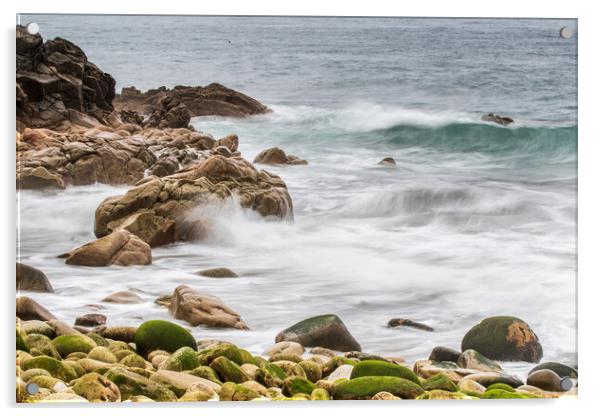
{"points": [[30, 278], [170, 199], [277, 156], [120, 248], [321, 331], [115, 156], [169, 113], [56, 82], [198, 308], [212, 100]]}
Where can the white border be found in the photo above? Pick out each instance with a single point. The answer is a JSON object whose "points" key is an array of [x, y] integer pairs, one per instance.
{"points": [[590, 188]]}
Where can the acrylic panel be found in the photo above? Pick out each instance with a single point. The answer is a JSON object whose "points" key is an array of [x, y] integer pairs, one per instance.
{"points": [[228, 208]]}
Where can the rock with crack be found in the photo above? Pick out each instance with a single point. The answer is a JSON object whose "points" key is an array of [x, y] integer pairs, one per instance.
{"points": [[198, 308], [120, 248], [167, 202]]}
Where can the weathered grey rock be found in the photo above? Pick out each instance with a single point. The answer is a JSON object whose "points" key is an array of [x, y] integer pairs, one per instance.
{"points": [[476, 361]]}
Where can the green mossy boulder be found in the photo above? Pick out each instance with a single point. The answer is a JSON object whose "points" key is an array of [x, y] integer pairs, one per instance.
{"points": [[500, 386], [162, 335], [383, 368], [20, 342], [270, 375], [295, 384], [561, 369], [121, 354], [504, 338], [363, 388], [233, 392], [319, 394], [49, 382], [43, 344], [97, 388], [74, 356], [75, 366], [116, 346], [29, 374], [228, 370], [504, 394], [55, 367], [183, 359], [291, 368], [285, 357], [336, 362], [326, 331], [444, 395], [37, 327], [133, 360], [313, 370], [100, 341], [206, 372], [102, 354], [230, 351], [66, 344], [439, 382], [198, 392], [246, 357], [132, 384]]}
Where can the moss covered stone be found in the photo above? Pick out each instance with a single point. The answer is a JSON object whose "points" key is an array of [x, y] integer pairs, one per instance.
{"points": [[286, 357], [313, 370], [235, 392], [295, 384], [100, 341], [500, 386], [66, 344], [270, 375], [382, 368], [444, 395], [363, 388], [320, 394], [439, 382], [291, 368], [183, 359], [162, 335], [198, 392], [246, 357], [504, 338], [132, 384], [55, 367], [116, 346], [75, 366], [97, 388], [133, 360], [336, 362], [102, 354], [43, 344], [504, 394], [230, 351], [228, 370], [27, 375], [20, 342], [206, 372]]}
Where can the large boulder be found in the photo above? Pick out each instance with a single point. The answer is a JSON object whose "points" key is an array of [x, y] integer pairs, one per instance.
{"points": [[504, 338], [326, 331], [170, 199], [212, 100], [198, 308], [30, 278], [120, 248], [55, 78], [170, 113], [28, 309], [277, 156], [162, 335]]}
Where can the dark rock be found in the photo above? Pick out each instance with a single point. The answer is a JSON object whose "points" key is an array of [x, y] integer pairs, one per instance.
{"points": [[504, 338], [117, 333], [218, 272], [30, 278], [409, 323], [169, 113], [212, 100], [326, 331], [441, 354], [387, 161], [561, 369], [504, 121], [91, 319], [548, 380], [55, 77], [28, 309]]}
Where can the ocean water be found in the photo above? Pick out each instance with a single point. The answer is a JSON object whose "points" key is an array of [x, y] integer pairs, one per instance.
{"points": [[475, 220]]}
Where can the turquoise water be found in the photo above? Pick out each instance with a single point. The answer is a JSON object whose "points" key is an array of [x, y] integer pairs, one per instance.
{"points": [[475, 220]]}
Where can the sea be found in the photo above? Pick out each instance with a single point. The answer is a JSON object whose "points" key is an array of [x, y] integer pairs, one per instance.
{"points": [[475, 220]]}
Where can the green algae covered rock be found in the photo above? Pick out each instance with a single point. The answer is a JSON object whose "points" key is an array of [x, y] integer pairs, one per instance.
{"points": [[162, 335], [270, 375], [228, 370], [55, 367], [20, 342], [500, 386], [230, 351], [183, 359], [504, 394], [133, 360], [285, 357], [132, 384], [29, 374], [66, 344], [363, 388], [37, 327], [206, 372], [235, 392], [295, 384], [313, 370], [444, 395], [246, 357], [439, 382], [504, 338], [96, 388], [100, 341], [42, 344], [75, 366], [383, 368], [336, 362], [198, 392], [321, 331], [102, 354], [320, 394]]}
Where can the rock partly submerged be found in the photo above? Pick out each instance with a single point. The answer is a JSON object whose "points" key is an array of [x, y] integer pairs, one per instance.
{"points": [[120, 248], [277, 156], [32, 279], [321, 331]]}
